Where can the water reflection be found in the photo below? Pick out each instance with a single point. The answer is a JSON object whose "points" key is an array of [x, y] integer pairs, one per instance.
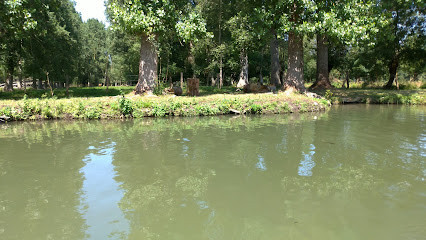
{"points": [[40, 183], [261, 163], [340, 176], [101, 193], [307, 163]]}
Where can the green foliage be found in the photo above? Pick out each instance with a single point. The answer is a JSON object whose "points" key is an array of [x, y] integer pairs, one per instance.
{"points": [[40, 39], [328, 95], [256, 108], [125, 106], [94, 53]]}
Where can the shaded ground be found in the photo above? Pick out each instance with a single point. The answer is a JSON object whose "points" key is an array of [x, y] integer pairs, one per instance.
{"points": [[77, 92], [73, 92], [375, 96]]}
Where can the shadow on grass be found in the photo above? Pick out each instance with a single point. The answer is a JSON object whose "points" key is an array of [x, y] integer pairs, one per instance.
{"points": [[210, 90], [83, 92], [376, 96], [74, 92]]}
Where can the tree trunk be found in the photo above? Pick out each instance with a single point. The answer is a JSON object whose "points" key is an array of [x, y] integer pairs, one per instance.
{"points": [[221, 73], [67, 85], [8, 84], [244, 70], [322, 81], [40, 84], [220, 43], [21, 83], [294, 79], [181, 80], [212, 79], [106, 76], [261, 77], [48, 83], [191, 59], [393, 68], [347, 79], [10, 66], [147, 67], [396, 81], [275, 60]]}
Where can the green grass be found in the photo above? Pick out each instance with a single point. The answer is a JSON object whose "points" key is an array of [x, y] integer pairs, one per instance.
{"points": [[97, 103], [131, 106], [74, 92], [85, 92]]}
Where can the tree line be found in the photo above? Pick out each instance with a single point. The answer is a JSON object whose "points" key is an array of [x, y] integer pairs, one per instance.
{"points": [[221, 42]]}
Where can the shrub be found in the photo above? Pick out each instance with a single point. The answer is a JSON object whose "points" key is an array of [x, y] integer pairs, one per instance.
{"points": [[125, 106]]}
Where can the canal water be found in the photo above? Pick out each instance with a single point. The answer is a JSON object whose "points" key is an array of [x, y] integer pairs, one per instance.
{"points": [[353, 172]]}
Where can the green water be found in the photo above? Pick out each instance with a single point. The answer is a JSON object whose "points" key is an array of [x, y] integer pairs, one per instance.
{"points": [[354, 172]]}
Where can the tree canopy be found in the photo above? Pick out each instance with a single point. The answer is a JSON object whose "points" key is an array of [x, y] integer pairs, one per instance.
{"points": [[285, 43]]}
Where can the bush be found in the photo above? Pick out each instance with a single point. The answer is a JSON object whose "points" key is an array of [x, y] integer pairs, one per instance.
{"points": [[125, 106]]}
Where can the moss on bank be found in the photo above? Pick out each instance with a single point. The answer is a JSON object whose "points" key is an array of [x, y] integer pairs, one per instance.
{"points": [[138, 107]]}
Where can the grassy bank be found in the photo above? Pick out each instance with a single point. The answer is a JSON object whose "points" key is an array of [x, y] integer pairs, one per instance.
{"points": [[138, 107], [375, 96]]}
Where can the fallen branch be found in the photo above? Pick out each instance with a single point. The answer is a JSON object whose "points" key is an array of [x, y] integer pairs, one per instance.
{"points": [[234, 111]]}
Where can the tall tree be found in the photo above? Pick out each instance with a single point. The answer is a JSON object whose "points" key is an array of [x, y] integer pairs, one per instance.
{"points": [[267, 16], [349, 21], [54, 45], [94, 52], [242, 33], [15, 23], [405, 20], [149, 20]]}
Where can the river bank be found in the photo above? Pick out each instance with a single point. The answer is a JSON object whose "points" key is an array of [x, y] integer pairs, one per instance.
{"points": [[131, 106], [99, 106]]}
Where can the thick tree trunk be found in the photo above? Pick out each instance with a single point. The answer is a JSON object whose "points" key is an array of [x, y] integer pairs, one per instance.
{"points": [[322, 81], [40, 84], [244, 70], [147, 67], [393, 68], [8, 86], [275, 60], [295, 79], [212, 79]]}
